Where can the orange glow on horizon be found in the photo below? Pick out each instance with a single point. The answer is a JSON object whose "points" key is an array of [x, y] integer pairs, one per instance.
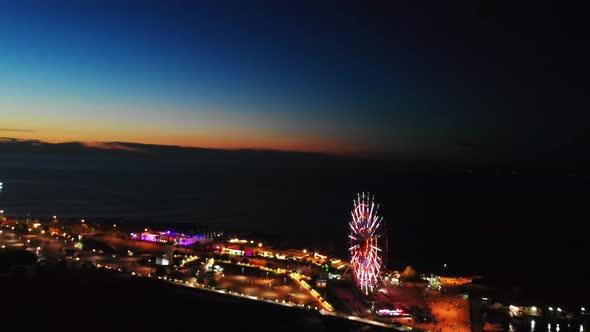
{"points": [[240, 141], [145, 124]]}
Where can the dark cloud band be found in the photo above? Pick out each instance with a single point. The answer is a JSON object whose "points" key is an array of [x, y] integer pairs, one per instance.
{"points": [[18, 130]]}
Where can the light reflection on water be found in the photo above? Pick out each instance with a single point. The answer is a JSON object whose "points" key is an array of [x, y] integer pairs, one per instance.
{"points": [[538, 325]]}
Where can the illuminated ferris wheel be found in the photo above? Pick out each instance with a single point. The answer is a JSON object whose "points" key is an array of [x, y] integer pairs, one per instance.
{"points": [[365, 253]]}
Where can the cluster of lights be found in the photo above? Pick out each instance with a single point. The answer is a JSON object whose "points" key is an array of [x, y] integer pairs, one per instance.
{"points": [[236, 240], [364, 250], [188, 259], [391, 312]]}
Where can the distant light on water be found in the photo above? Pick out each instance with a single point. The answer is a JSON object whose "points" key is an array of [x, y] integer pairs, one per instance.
{"points": [[533, 325]]}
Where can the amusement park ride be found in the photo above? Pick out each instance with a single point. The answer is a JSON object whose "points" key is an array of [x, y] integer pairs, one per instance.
{"points": [[365, 231]]}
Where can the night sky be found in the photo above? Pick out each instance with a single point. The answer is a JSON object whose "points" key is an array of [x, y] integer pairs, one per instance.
{"points": [[428, 80]]}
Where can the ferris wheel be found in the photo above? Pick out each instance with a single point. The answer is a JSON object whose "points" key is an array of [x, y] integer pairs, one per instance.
{"points": [[365, 253]]}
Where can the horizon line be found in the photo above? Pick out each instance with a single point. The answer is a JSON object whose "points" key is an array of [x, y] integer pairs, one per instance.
{"points": [[128, 146]]}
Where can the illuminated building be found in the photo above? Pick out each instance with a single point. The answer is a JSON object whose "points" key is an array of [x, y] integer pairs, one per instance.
{"points": [[386, 310], [237, 251], [169, 237], [236, 240]]}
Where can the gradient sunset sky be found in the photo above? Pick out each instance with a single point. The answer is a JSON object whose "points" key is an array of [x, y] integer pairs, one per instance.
{"points": [[335, 78]]}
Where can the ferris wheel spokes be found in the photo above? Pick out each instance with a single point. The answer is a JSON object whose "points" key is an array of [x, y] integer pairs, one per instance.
{"points": [[364, 249]]}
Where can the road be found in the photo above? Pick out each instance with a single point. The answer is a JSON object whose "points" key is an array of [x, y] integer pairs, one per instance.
{"points": [[452, 312]]}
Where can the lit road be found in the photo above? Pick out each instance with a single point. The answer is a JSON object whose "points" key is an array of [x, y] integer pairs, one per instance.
{"points": [[451, 312]]}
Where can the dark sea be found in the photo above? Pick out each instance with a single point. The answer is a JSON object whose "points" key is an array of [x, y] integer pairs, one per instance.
{"points": [[516, 228]]}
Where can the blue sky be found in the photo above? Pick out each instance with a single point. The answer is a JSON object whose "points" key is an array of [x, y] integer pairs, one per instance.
{"points": [[339, 79]]}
